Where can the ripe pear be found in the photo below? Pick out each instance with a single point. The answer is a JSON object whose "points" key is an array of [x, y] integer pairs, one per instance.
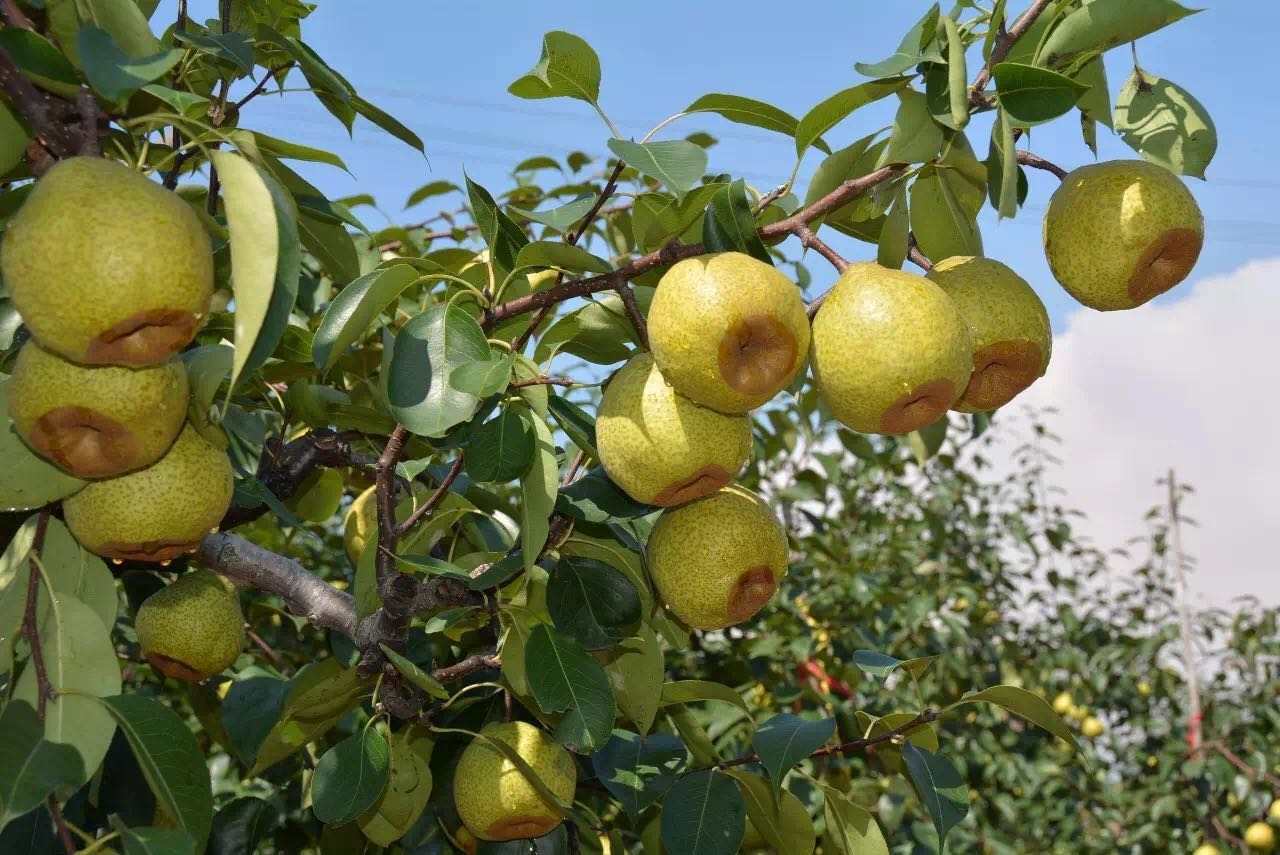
{"points": [[361, 521], [96, 422], [107, 267], [1207, 849], [157, 513], [1008, 328], [193, 628], [1259, 837], [890, 351], [493, 797], [1063, 703], [1091, 727], [728, 331], [659, 446], [1119, 233], [718, 560], [1273, 812]]}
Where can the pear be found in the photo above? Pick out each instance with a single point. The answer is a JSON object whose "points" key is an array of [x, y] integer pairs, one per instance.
{"points": [[1091, 727], [96, 422], [360, 523], [659, 446], [493, 797], [718, 560], [317, 498], [728, 331], [192, 628], [1259, 837], [1063, 703], [1008, 327], [1273, 812], [890, 351], [1207, 849], [157, 513], [1119, 233], [107, 267]]}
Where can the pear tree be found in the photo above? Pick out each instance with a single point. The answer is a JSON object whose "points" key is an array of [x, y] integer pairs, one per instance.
{"points": [[567, 517]]}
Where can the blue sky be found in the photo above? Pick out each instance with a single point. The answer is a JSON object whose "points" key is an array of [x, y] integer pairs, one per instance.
{"points": [[443, 69]]}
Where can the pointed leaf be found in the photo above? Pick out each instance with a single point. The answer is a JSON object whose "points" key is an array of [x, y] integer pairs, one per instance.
{"points": [[428, 349], [916, 136], [591, 602], [635, 668], [851, 830], [485, 378], [415, 675], [1103, 24], [426, 191], [748, 111], [31, 767], [568, 68], [730, 226], [638, 771], [112, 72], [501, 449], [944, 793], [501, 234], [564, 678], [354, 308], [560, 256], [894, 234], [560, 218], [350, 777], [941, 223], [782, 819], [785, 740], [537, 491], [1165, 124], [678, 164], [1032, 95], [829, 113], [1026, 704], [704, 814], [917, 46]]}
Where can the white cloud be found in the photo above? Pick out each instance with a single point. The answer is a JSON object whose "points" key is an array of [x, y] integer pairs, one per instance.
{"points": [[1191, 384]]}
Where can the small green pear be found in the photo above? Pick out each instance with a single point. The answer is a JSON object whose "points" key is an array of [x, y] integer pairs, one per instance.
{"points": [[717, 561], [156, 513], [1008, 327], [107, 267], [493, 797], [96, 422], [1122, 232], [659, 446], [890, 351], [193, 628], [728, 331], [317, 498]]}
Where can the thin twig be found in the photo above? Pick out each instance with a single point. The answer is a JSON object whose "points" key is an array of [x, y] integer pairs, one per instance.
{"points": [[812, 241], [267, 649], [1004, 42], [1035, 161], [1234, 759], [430, 504], [467, 667], [262, 85], [544, 380], [926, 717], [30, 619], [14, 17], [772, 196], [628, 297]]}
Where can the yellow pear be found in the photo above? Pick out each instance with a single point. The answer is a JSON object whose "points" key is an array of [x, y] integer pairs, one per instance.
{"points": [[727, 330], [659, 446], [1273, 812], [96, 422], [1119, 233], [1259, 837], [193, 628], [890, 352], [107, 267], [1008, 328], [493, 797], [1091, 727], [1207, 849], [1063, 703], [717, 561], [157, 513], [1144, 688], [360, 523]]}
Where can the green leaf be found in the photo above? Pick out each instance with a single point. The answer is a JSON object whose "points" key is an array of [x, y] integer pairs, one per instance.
{"points": [[504, 238], [255, 248], [317, 72], [917, 46], [240, 825], [428, 349], [916, 136], [748, 111], [564, 678], [387, 122], [188, 104], [233, 47], [942, 790], [124, 21], [1006, 180], [568, 68], [730, 226], [355, 307], [295, 151], [851, 830], [415, 675], [40, 61], [537, 491], [851, 162], [1026, 704], [595, 498], [576, 422], [430, 189], [687, 691], [894, 235], [329, 242], [599, 332], [560, 218], [499, 572], [927, 441], [110, 70], [31, 767], [80, 662], [1095, 103], [781, 819], [1103, 24], [942, 224], [533, 164], [251, 708], [483, 379], [501, 449], [678, 164], [1165, 124], [560, 256], [350, 776], [591, 602], [785, 740], [154, 840], [636, 670], [288, 268], [704, 814], [882, 665], [13, 139], [320, 695], [171, 761], [1031, 96], [26, 479], [829, 113], [638, 771]]}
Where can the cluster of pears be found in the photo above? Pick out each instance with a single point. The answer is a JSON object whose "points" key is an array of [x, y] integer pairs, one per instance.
{"points": [[113, 275], [1065, 705], [1259, 836]]}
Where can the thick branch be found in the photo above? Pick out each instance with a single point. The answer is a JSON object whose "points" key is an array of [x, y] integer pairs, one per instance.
{"points": [[1035, 161], [1004, 42], [283, 467], [304, 594], [42, 111]]}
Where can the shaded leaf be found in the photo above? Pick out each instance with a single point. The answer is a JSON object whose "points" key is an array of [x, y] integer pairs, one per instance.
{"points": [[944, 793], [730, 225], [501, 449], [1165, 124], [564, 678], [537, 491], [26, 479], [785, 740], [415, 675], [111, 71], [31, 767], [851, 830], [704, 814], [638, 771], [350, 777], [348, 317], [591, 602], [428, 349], [595, 498]]}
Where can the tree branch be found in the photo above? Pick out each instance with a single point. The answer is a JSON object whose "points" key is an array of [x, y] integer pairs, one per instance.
{"points": [[304, 594], [1004, 42], [1035, 161], [283, 467], [926, 717], [43, 112], [633, 312], [812, 241], [544, 380], [262, 85], [465, 668], [430, 504]]}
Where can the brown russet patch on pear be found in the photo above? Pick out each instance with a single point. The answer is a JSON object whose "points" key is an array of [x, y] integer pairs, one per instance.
{"points": [[922, 406], [756, 353], [144, 338], [1000, 371], [175, 668], [704, 482], [752, 590], [1166, 262], [85, 442], [521, 827], [150, 550]]}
